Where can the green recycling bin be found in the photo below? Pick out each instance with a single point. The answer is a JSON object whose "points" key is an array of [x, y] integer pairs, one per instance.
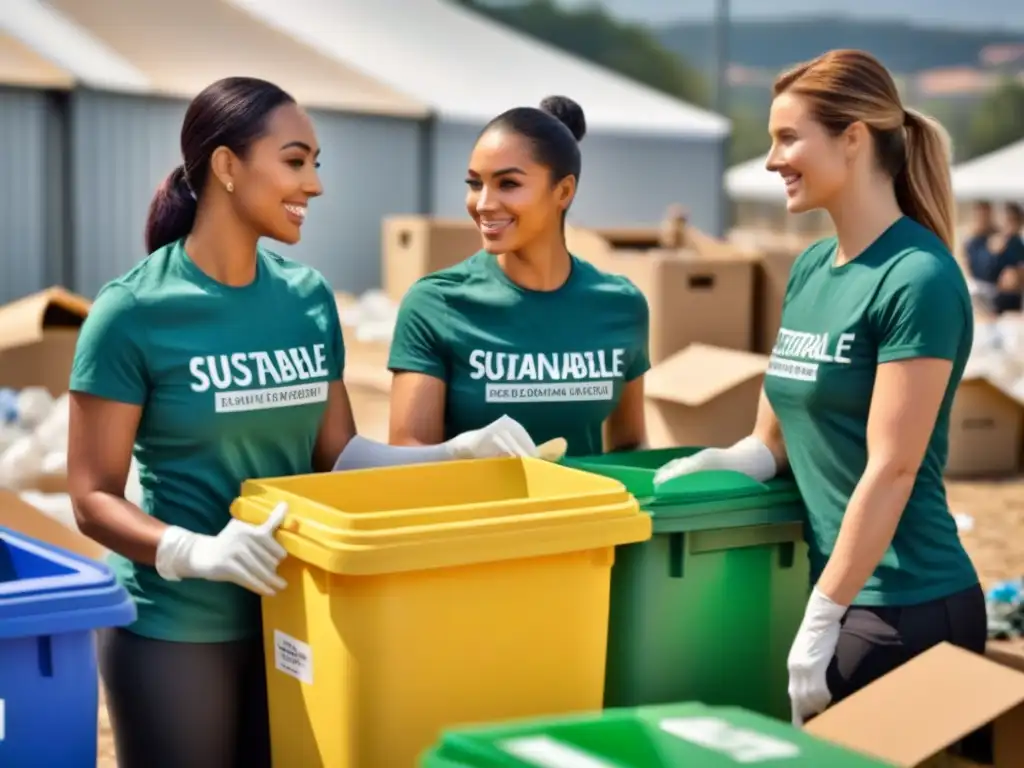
{"points": [[707, 609], [690, 735]]}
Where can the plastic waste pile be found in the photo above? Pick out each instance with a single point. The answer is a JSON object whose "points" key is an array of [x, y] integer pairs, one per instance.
{"points": [[372, 316], [998, 354], [34, 445], [1004, 604]]}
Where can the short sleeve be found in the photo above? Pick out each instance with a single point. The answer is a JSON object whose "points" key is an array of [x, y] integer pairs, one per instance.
{"points": [[921, 309], [641, 361], [109, 355], [417, 345], [336, 340]]}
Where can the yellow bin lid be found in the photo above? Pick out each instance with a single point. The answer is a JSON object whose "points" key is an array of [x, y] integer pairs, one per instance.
{"points": [[423, 516]]}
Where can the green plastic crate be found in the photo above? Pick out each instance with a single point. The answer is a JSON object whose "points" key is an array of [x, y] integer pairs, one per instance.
{"points": [[707, 609], [651, 737]]}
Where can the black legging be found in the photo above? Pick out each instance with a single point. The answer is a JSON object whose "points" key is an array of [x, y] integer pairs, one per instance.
{"points": [[185, 705], [874, 641]]}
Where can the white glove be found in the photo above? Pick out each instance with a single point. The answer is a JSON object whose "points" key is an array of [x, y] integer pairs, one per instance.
{"points": [[749, 456], [503, 437], [810, 655], [243, 554]]}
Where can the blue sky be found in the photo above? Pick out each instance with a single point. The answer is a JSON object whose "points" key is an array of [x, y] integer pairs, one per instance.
{"points": [[990, 14]]}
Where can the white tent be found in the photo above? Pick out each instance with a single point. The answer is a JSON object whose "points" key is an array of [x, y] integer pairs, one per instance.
{"points": [[469, 69], [752, 182], [997, 176]]}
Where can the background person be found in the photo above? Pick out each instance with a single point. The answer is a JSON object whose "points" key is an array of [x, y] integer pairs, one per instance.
{"points": [[214, 360], [876, 330], [522, 326], [995, 257]]}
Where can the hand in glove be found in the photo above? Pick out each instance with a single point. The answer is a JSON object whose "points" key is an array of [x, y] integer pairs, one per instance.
{"points": [[503, 437], [243, 554], [811, 654], [749, 456]]}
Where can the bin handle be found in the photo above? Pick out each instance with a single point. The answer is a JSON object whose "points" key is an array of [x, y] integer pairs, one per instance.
{"points": [[712, 481]]}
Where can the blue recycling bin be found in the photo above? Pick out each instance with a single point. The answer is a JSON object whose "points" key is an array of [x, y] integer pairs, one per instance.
{"points": [[51, 601]]}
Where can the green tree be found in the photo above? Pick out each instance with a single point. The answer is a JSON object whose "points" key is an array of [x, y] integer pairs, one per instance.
{"points": [[590, 33], [999, 119]]}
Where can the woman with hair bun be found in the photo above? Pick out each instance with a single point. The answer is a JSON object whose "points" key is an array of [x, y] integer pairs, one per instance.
{"points": [[523, 327], [876, 330], [213, 361]]}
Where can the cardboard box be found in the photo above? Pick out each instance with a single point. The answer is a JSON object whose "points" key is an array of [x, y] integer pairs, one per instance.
{"points": [[369, 392], [367, 378], [37, 339], [771, 278], [986, 430], [914, 716], [705, 396], [415, 246], [20, 516], [695, 296]]}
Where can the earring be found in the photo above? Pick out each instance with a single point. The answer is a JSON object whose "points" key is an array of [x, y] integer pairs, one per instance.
{"points": [[230, 187]]}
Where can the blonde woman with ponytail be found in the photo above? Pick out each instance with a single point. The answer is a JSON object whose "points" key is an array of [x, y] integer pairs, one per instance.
{"points": [[876, 330]]}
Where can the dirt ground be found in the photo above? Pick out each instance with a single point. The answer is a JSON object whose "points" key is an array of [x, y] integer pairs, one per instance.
{"points": [[996, 545]]}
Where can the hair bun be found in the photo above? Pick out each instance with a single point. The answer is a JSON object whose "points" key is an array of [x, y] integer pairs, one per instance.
{"points": [[568, 112]]}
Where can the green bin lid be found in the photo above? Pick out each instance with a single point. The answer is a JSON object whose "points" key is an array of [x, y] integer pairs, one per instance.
{"points": [[650, 737], [697, 494]]}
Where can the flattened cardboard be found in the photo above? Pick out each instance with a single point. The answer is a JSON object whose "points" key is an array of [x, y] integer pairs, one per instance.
{"points": [[986, 430], [22, 517], [703, 395], [37, 339], [914, 714], [415, 246]]}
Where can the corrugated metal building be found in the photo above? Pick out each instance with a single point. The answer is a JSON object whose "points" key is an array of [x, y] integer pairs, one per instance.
{"points": [[398, 90], [644, 150], [31, 90], [124, 140]]}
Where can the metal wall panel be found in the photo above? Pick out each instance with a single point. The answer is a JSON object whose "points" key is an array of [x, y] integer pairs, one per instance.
{"points": [[626, 180], [26, 260], [124, 146], [121, 148]]}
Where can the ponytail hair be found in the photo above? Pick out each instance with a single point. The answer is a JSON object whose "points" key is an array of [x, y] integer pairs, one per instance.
{"points": [[172, 211], [924, 186], [847, 86]]}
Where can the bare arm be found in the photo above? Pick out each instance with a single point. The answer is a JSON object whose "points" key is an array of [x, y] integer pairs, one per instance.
{"points": [[336, 430], [417, 409], [904, 405], [768, 431], [101, 434], [626, 428]]}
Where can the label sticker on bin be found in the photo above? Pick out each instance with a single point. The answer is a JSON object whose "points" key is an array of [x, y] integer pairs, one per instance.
{"points": [[741, 744], [293, 657], [545, 752]]}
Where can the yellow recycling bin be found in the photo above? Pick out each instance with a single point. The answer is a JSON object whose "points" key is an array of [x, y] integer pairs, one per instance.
{"points": [[435, 595]]}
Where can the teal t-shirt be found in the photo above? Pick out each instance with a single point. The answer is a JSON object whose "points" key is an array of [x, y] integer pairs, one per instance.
{"points": [[233, 384], [555, 361], [904, 297]]}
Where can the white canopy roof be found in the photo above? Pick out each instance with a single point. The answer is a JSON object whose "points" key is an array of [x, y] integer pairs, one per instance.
{"points": [[997, 176]]}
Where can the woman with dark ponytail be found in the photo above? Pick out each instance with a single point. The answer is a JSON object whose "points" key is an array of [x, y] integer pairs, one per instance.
{"points": [[877, 327], [523, 326], [214, 360]]}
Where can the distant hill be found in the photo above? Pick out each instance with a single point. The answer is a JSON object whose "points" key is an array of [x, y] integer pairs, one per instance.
{"points": [[774, 45]]}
